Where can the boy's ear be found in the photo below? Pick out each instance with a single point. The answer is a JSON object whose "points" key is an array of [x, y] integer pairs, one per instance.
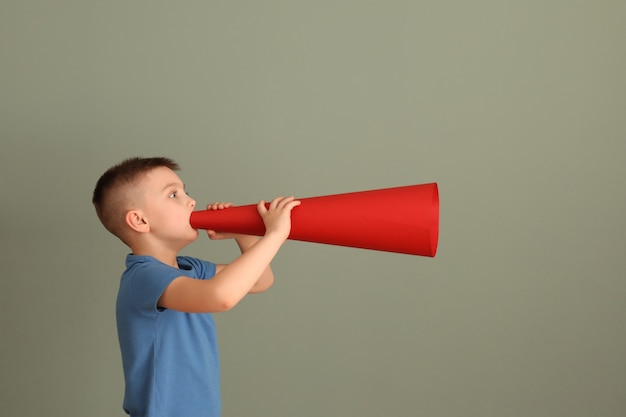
{"points": [[136, 221]]}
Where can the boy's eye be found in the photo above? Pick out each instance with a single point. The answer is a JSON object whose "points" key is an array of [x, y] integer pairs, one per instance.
{"points": [[172, 195]]}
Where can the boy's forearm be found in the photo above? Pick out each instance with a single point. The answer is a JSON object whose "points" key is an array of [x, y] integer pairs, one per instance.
{"points": [[266, 279], [240, 276], [245, 242]]}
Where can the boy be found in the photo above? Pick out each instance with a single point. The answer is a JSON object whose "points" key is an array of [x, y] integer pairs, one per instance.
{"points": [[166, 332]]}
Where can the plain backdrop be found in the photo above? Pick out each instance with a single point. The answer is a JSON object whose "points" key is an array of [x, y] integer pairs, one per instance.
{"points": [[515, 108]]}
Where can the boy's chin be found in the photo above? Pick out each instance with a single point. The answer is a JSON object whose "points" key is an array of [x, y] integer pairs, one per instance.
{"points": [[189, 239]]}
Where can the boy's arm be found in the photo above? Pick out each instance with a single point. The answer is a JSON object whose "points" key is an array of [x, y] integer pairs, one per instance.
{"points": [[244, 242], [266, 279], [235, 280]]}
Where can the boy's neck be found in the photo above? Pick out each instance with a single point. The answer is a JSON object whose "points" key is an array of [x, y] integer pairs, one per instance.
{"points": [[162, 254]]}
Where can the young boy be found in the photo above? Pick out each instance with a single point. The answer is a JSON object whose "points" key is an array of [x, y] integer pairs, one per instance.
{"points": [[166, 332]]}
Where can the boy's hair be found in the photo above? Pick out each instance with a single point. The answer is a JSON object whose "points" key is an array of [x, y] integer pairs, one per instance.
{"points": [[113, 193]]}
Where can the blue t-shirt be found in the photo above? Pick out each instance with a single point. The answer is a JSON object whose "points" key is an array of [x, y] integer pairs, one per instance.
{"points": [[170, 359]]}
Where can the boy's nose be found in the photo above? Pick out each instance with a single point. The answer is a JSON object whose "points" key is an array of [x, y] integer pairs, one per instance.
{"points": [[192, 202]]}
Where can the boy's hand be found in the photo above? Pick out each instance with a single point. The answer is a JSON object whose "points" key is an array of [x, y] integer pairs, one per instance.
{"points": [[213, 235], [277, 218]]}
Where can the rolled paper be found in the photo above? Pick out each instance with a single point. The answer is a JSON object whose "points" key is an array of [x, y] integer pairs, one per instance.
{"points": [[399, 219]]}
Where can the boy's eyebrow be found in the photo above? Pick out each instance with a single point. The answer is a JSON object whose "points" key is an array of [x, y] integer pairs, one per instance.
{"points": [[173, 184]]}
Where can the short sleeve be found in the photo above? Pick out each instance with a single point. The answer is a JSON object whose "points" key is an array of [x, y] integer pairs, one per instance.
{"points": [[148, 282], [201, 269]]}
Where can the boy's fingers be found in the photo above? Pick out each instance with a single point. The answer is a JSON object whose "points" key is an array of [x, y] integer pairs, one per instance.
{"points": [[219, 205], [292, 202], [278, 203], [285, 201]]}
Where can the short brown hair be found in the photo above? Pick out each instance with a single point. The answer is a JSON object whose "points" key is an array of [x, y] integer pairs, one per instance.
{"points": [[113, 190]]}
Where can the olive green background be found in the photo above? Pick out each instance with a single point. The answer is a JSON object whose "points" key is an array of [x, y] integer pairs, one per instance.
{"points": [[516, 108]]}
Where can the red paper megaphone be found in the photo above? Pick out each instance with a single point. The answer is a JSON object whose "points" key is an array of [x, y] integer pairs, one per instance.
{"points": [[401, 219]]}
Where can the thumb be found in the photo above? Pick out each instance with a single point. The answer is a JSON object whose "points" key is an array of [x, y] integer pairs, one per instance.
{"points": [[261, 207]]}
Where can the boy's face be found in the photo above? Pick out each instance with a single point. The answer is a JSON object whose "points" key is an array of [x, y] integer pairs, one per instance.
{"points": [[167, 207]]}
